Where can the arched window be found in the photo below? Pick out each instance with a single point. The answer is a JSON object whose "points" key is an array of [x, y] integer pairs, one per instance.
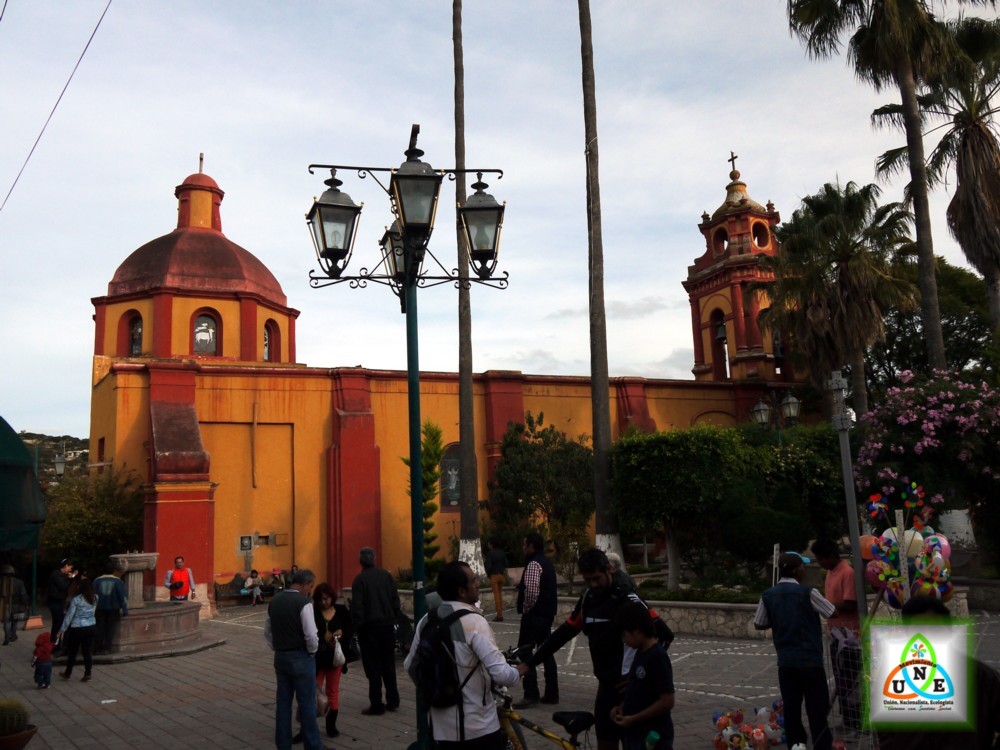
{"points": [[135, 336], [720, 352], [129, 335], [272, 342], [206, 333], [451, 480]]}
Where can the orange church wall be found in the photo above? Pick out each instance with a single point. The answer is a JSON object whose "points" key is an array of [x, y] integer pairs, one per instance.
{"points": [[289, 450]]}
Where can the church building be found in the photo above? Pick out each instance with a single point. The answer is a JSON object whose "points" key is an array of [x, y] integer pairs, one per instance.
{"points": [[251, 458]]}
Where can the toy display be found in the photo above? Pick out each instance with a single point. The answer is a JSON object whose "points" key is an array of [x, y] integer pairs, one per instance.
{"points": [[925, 553]]}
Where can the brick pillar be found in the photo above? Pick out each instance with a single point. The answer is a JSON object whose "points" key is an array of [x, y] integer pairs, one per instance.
{"points": [[739, 323]]}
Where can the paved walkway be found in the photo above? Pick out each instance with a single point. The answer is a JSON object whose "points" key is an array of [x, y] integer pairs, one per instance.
{"points": [[224, 697]]}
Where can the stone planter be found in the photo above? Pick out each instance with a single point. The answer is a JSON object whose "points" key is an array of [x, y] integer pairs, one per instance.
{"points": [[19, 740]]}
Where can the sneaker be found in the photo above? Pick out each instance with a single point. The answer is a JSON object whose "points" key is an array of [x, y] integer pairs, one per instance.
{"points": [[85, 678], [64, 675], [526, 703], [550, 700], [373, 711]]}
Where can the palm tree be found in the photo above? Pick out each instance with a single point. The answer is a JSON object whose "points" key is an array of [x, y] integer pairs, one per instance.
{"points": [[964, 95], [893, 43], [469, 548], [605, 521], [835, 279]]}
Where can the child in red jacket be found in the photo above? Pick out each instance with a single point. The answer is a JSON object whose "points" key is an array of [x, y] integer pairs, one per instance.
{"points": [[42, 660]]}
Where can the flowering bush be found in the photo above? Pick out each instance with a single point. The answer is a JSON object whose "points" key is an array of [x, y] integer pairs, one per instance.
{"points": [[945, 430]]}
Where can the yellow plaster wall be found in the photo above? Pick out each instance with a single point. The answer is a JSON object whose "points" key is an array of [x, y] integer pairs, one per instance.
{"points": [[119, 413], [184, 308], [299, 407], [566, 407], [257, 495], [675, 406]]}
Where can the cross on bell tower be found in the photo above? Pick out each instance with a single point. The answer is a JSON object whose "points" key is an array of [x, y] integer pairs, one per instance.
{"points": [[728, 343]]}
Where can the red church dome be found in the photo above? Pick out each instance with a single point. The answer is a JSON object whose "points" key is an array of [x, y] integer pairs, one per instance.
{"points": [[196, 256]]}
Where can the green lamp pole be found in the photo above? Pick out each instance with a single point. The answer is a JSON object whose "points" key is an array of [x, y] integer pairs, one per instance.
{"points": [[413, 190]]}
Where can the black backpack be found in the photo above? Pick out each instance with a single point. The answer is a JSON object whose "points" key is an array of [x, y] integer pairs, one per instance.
{"points": [[435, 670]]}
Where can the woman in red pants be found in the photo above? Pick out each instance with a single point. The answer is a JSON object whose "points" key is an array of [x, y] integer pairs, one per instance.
{"points": [[333, 623]]}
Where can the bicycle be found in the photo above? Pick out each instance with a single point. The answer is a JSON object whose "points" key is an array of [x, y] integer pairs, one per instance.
{"points": [[574, 723]]}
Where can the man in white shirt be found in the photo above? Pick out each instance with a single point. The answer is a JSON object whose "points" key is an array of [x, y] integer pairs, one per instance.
{"points": [[476, 652], [290, 631]]}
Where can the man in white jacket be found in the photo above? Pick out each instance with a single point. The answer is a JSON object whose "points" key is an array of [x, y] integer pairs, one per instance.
{"points": [[476, 651]]}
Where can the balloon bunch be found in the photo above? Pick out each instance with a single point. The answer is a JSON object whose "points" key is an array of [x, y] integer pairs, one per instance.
{"points": [[926, 554], [765, 729]]}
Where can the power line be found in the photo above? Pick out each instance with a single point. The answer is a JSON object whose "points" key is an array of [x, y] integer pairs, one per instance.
{"points": [[3, 9], [61, 93]]}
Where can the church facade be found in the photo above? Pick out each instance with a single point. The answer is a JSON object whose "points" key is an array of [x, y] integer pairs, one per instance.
{"points": [[252, 459]]}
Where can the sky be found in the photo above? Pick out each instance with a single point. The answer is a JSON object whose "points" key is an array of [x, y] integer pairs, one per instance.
{"points": [[264, 89]]}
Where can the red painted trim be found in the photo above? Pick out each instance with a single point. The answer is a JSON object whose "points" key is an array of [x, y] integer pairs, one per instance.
{"points": [[699, 344], [163, 307], [248, 331], [633, 408], [100, 317], [504, 394], [354, 494], [739, 327], [185, 529]]}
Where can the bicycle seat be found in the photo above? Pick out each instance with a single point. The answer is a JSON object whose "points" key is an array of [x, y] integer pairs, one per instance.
{"points": [[574, 722]]}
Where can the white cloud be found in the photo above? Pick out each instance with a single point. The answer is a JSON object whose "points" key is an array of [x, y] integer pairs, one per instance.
{"points": [[264, 89]]}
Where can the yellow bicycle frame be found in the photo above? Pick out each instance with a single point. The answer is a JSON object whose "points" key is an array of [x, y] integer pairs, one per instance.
{"points": [[508, 715]]}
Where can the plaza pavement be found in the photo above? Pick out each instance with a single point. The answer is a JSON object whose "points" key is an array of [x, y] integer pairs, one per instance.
{"points": [[224, 697]]}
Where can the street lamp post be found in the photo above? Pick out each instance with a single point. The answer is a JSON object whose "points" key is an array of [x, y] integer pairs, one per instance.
{"points": [[413, 192], [787, 411]]}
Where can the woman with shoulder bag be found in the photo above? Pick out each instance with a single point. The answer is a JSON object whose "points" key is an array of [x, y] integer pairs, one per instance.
{"points": [[333, 625]]}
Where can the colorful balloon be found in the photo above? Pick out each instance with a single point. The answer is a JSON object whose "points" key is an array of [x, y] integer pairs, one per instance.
{"points": [[946, 590], [866, 543], [878, 573], [940, 542]]}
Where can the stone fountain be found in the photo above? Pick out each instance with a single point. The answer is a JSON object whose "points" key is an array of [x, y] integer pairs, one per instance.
{"points": [[133, 566], [153, 629]]}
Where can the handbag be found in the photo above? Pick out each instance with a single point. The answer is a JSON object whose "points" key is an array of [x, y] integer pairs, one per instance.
{"points": [[338, 654], [351, 650]]}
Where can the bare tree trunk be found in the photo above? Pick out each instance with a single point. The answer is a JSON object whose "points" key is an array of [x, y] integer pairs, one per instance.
{"points": [[930, 312], [673, 558], [859, 387], [469, 546], [605, 521], [993, 294]]}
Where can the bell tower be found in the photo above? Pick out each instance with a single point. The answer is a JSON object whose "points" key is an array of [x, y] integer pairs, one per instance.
{"points": [[728, 343]]}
